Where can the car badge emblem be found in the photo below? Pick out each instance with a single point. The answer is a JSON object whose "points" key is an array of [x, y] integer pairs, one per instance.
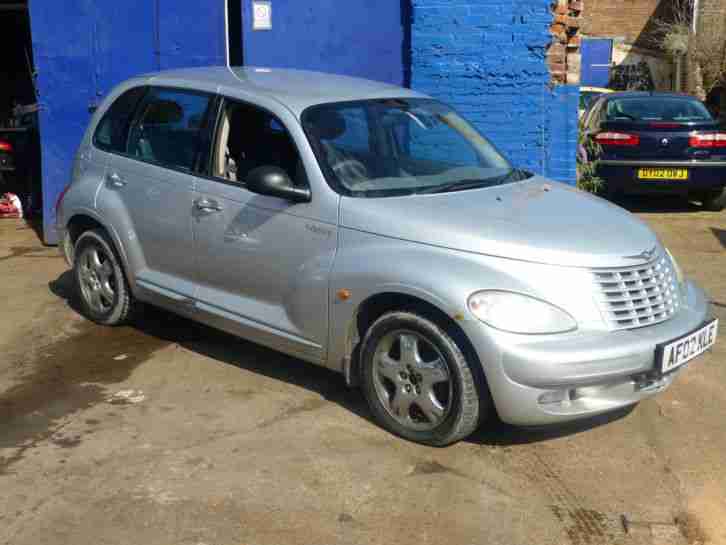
{"points": [[647, 255], [665, 142]]}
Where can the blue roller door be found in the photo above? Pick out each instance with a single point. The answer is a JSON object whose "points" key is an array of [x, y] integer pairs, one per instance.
{"points": [[83, 49]]}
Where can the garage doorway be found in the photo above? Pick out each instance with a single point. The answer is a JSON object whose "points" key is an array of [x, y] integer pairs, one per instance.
{"points": [[20, 173]]}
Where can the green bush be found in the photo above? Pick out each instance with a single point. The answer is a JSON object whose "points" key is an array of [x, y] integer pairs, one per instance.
{"points": [[587, 178]]}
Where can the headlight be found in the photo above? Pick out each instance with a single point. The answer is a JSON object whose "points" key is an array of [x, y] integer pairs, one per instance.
{"points": [[676, 267], [517, 313]]}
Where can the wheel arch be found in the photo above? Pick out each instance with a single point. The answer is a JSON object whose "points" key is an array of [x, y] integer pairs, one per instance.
{"points": [[378, 304], [84, 221]]}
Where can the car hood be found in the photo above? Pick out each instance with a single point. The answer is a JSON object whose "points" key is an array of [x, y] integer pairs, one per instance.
{"points": [[536, 220]]}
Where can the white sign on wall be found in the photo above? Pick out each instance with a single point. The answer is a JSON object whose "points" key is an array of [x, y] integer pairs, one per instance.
{"points": [[261, 15]]}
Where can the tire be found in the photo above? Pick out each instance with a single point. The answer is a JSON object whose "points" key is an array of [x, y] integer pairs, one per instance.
{"points": [[100, 283], [409, 395], [714, 201]]}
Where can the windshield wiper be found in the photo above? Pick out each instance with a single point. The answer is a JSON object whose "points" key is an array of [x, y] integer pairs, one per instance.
{"points": [[459, 185], [513, 175]]}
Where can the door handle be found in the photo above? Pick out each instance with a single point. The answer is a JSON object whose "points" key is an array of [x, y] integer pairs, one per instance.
{"points": [[207, 205], [115, 180]]}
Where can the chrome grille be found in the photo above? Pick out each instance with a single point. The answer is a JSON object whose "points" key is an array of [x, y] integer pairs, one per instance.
{"points": [[637, 296]]}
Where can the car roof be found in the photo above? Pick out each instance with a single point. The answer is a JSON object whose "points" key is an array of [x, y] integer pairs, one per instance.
{"points": [[295, 89], [654, 94], [603, 90]]}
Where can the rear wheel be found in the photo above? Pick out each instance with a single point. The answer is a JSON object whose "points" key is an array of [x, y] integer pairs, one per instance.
{"points": [[715, 201], [417, 381], [100, 283]]}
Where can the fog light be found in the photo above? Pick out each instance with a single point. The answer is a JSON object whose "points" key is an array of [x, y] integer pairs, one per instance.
{"points": [[554, 396]]}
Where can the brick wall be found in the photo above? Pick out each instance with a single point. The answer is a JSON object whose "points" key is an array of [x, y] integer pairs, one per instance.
{"points": [[488, 59], [628, 19]]}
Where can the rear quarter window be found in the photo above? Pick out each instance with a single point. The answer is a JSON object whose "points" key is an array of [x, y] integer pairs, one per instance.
{"points": [[113, 129]]}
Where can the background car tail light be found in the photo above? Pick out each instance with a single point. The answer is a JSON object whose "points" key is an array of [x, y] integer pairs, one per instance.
{"points": [[711, 140], [617, 139], [5, 146]]}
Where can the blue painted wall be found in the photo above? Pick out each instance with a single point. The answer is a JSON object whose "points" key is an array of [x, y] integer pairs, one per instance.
{"points": [[84, 48], [487, 58], [362, 38]]}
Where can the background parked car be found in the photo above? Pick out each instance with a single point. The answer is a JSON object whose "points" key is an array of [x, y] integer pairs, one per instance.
{"points": [[7, 159], [657, 143]]}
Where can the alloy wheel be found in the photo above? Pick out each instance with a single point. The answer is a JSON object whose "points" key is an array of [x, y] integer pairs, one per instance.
{"points": [[412, 380], [97, 279]]}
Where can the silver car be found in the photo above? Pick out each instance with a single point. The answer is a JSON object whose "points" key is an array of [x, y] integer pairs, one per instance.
{"points": [[372, 230]]}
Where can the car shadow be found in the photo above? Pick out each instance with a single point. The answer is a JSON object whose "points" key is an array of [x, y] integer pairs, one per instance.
{"points": [[248, 356], [498, 433], [720, 235], [656, 204], [231, 350]]}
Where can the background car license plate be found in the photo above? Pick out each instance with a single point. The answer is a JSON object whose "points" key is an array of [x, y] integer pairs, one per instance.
{"points": [[674, 354], [663, 173]]}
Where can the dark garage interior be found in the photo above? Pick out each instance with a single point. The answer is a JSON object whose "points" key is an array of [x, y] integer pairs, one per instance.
{"points": [[19, 138]]}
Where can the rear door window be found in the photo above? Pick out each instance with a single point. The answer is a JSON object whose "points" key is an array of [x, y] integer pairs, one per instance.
{"points": [[113, 130], [169, 128]]}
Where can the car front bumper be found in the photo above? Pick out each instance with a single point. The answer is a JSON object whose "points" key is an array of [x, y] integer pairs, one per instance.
{"points": [[622, 176], [593, 372]]}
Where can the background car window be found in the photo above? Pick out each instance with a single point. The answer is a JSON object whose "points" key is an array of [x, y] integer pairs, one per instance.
{"points": [[657, 109], [168, 129], [113, 130], [249, 138]]}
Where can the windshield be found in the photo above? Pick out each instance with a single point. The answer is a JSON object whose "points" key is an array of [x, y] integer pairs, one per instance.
{"points": [[657, 109], [389, 147]]}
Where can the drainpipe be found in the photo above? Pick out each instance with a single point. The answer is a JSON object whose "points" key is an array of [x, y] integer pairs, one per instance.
{"points": [[695, 15], [679, 73]]}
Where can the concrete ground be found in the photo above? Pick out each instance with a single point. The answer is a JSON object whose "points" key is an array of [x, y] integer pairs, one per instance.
{"points": [[170, 433]]}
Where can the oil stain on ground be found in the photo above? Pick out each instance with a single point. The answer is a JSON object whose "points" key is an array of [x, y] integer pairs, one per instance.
{"points": [[72, 374]]}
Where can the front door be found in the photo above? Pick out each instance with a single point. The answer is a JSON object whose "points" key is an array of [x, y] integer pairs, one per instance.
{"points": [[263, 262]]}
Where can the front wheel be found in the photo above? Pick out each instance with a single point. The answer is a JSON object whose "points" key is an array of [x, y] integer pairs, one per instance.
{"points": [[417, 381], [714, 201]]}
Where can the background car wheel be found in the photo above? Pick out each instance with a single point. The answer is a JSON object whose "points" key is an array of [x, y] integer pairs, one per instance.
{"points": [[100, 283], [714, 201], [417, 381]]}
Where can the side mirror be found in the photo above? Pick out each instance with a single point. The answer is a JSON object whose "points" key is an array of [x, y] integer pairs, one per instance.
{"points": [[274, 182]]}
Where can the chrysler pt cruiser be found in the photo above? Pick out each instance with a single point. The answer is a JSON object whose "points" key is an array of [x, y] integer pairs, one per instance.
{"points": [[372, 230]]}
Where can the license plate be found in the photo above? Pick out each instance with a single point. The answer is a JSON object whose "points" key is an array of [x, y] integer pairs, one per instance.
{"points": [[663, 174], [672, 355]]}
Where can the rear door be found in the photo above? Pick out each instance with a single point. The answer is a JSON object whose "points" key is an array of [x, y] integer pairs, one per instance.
{"points": [[149, 187]]}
